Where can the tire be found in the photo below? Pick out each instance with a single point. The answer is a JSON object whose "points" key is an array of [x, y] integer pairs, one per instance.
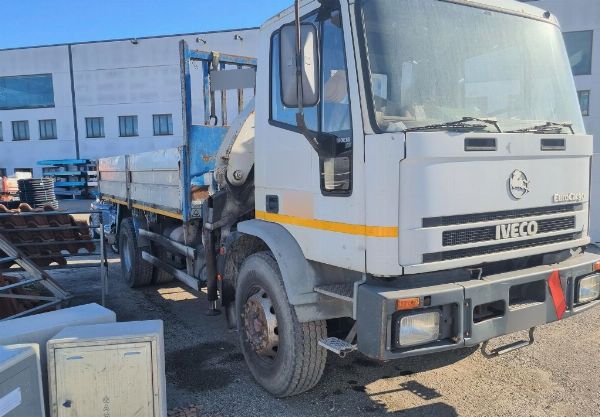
{"points": [[296, 364], [161, 277], [136, 272]]}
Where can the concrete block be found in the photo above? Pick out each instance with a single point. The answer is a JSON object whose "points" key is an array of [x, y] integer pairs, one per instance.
{"points": [[21, 382], [40, 328]]}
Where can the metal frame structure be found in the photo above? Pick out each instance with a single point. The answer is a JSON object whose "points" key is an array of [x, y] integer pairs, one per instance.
{"points": [[206, 139], [38, 273]]}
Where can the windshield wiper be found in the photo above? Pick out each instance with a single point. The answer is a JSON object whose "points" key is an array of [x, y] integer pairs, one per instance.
{"points": [[547, 128], [463, 124]]}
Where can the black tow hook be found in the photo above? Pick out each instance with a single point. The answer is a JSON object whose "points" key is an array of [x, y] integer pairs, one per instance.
{"points": [[507, 348]]}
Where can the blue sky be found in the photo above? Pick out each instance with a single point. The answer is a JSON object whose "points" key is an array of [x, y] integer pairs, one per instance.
{"points": [[44, 22]]}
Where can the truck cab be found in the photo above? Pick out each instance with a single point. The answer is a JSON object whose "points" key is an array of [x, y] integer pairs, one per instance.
{"points": [[458, 180]]}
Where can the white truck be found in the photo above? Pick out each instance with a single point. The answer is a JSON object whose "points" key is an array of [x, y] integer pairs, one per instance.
{"points": [[412, 176]]}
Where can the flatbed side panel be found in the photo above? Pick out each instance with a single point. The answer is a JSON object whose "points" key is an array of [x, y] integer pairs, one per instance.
{"points": [[155, 179], [112, 176]]}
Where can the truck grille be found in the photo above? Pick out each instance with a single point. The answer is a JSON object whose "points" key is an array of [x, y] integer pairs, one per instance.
{"points": [[474, 232], [488, 233], [499, 215], [502, 247]]}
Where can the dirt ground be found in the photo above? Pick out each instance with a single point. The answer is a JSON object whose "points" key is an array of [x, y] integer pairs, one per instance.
{"points": [[558, 376]]}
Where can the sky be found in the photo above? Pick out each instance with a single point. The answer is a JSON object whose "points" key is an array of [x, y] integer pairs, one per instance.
{"points": [[47, 22]]}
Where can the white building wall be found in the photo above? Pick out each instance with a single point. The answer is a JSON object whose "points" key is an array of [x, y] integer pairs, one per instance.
{"points": [[121, 79], [25, 154], [111, 79]]}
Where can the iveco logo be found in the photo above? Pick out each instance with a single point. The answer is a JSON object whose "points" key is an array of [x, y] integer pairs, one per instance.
{"points": [[514, 230], [518, 184]]}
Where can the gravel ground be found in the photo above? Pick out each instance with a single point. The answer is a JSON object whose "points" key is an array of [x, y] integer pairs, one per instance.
{"points": [[558, 376]]}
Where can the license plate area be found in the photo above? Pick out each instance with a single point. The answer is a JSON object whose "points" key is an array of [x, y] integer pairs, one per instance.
{"points": [[498, 306], [527, 294]]}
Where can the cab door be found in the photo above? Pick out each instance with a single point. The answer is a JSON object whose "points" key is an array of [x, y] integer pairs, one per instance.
{"points": [[319, 200]]}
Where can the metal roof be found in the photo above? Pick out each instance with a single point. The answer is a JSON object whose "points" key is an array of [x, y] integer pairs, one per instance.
{"points": [[129, 39]]}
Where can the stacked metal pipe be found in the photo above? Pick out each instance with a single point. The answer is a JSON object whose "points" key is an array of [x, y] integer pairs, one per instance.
{"points": [[38, 192]]}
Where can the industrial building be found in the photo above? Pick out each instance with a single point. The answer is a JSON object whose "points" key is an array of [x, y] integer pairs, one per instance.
{"points": [[95, 99], [580, 23]]}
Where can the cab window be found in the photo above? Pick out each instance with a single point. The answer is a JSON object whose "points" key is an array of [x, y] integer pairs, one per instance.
{"points": [[332, 113]]}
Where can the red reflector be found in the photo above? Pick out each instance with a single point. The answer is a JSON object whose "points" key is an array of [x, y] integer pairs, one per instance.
{"points": [[558, 297]]}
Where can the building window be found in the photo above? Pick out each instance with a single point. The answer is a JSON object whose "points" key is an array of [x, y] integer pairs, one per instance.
{"points": [[48, 129], [94, 127], [584, 102], [128, 126], [579, 48], [26, 92], [20, 130], [1, 133], [163, 124], [2, 172]]}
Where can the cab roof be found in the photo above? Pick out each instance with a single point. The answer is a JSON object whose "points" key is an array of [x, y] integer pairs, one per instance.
{"points": [[511, 7], [503, 6]]}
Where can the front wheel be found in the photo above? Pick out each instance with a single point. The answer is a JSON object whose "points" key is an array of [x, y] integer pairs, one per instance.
{"points": [[283, 354]]}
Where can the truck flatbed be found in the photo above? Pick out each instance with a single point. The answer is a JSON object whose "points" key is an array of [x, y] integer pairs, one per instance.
{"points": [[165, 181]]}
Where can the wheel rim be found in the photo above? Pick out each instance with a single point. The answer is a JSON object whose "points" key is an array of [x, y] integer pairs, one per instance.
{"points": [[260, 325], [127, 256]]}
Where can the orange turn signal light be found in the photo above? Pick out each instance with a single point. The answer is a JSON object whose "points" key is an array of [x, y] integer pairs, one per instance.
{"points": [[408, 303], [596, 266]]}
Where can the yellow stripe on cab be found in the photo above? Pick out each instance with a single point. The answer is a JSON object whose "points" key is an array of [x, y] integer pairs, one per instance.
{"points": [[351, 229]]}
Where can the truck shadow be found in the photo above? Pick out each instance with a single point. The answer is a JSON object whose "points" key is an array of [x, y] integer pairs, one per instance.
{"points": [[358, 374]]}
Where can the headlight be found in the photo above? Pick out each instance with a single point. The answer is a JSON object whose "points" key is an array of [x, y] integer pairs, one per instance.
{"points": [[589, 289], [418, 329]]}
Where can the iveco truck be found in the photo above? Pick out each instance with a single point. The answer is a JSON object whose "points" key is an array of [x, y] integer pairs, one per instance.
{"points": [[410, 177]]}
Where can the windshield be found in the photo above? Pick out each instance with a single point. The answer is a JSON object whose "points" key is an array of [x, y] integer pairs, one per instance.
{"points": [[433, 62]]}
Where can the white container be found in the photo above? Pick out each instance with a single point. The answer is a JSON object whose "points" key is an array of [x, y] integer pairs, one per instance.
{"points": [[39, 328], [108, 370], [20, 382]]}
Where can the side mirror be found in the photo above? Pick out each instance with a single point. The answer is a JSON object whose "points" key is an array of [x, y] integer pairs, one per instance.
{"points": [[327, 144], [310, 69]]}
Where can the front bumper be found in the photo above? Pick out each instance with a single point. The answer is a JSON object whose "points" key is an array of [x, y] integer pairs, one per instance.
{"points": [[471, 311]]}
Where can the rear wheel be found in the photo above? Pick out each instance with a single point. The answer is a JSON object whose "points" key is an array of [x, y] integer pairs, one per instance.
{"points": [[161, 276], [136, 272], [283, 354]]}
